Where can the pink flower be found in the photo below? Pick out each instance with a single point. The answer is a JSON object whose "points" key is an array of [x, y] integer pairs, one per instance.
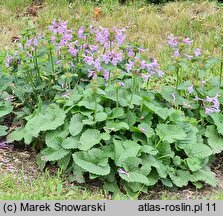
{"points": [[187, 41], [197, 52]]}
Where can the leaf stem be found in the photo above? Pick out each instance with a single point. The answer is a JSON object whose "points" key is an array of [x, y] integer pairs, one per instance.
{"points": [[116, 96]]}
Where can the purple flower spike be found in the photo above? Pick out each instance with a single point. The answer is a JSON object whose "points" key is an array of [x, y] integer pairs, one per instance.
{"points": [[146, 77], [80, 33], [88, 59], [202, 83], [187, 41], [129, 66], [97, 64], [92, 74], [211, 104], [121, 84], [176, 53], [130, 52], [122, 171], [190, 89], [106, 75], [120, 37], [197, 52], [72, 51], [173, 41], [35, 41], [8, 61]]}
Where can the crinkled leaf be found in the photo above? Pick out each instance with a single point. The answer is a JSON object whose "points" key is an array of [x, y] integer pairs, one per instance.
{"points": [[78, 174], [18, 135], [92, 161], [204, 176], [146, 129], [218, 120], [49, 119], [164, 149], [56, 137], [135, 177], [170, 133], [50, 154], [116, 113], [180, 177], [124, 150], [64, 162], [89, 138], [116, 126], [71, 142], [76, 124], [100, 116], [5, 109], [149, 150], [194, 164], [3, 130], [157, 109], [215, 141]]}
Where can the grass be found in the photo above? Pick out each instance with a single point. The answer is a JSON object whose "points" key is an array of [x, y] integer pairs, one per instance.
{"points": [[45, 187], [147, 24], [55, 187]]}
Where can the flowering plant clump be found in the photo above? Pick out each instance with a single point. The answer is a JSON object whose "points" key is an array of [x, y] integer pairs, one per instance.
{"points": [[88, 104]]}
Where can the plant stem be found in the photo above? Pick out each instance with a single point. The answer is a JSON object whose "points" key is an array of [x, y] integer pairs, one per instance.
{"points": [[116, 97], [52, 64], [133, 88], [177, 73], [95, 105], [36, 64], [221, 65]]}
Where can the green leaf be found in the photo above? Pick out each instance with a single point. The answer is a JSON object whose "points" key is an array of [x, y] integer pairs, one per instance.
{"points": [[191, 134], [180, 177], [149, 150], [50, 154], [165, 150], [157, 109], [3, 131], [101, 116], [19, 134], [124, 150], [116, 113], [160, 167], [204, 175], [170, 133], [194, 164], [214, 140], [71, 143], [146, 129], [135, 177], [49, 119], [116, 126], [93, 161], [105, 136], [76, 124], [78, 174], [5, 109], [218, 120], [129, 118], [56, 137], [171, 95], [89, 138], [64, 162], [110, 187]]}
